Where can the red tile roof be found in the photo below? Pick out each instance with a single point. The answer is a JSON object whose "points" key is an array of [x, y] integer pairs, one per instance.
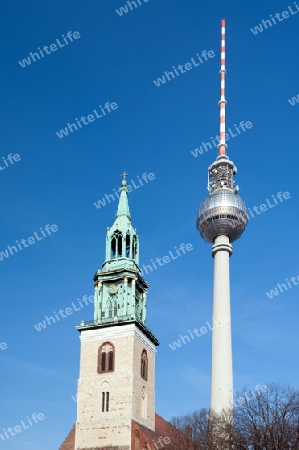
{"points": [[145, 438], [69, 442], [176, 440]]}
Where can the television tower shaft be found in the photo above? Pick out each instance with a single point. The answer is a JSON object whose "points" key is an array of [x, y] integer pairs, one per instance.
{"points": [[222, 361]]}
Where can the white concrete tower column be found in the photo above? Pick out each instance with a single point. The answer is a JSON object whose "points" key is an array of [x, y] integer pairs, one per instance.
{"points": [[222, 371]]}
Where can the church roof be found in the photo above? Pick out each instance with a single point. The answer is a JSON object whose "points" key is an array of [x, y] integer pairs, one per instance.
{"points": [[172, 437], [146, 436], [69, 442]]}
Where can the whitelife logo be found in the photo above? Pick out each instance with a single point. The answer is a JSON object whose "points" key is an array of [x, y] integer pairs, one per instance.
{"points": [[222, 320], [24, 425], [53, 47], [205, 146], [294, 100], [281, 196], [110, 197], [242, 400], [90, 118], [166, 259], [3, 346], [274, 292], [9, 160], [31, 240], [265, 23], [49, 320], [124, 9], [187, 66]]}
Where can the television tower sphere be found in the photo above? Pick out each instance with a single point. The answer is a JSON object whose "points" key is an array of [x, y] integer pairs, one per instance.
{"points": [[223, 212]]}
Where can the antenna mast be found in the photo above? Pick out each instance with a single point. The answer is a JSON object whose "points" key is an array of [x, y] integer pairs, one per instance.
{"points": [[222, 103]]}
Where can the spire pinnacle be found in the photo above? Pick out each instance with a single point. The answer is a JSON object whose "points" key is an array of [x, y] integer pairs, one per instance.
{"points": [[123, 204], [222, 102]]}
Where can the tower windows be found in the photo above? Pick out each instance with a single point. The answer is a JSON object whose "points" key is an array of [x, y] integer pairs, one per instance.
{"points": [[103, 362], [144, 403], [106, 358], [112, 308], [116, 245], [136, 443], [105, 396], [134, 247], [105, 401], [137, 308], [128, 245], [113, 248], [144, 365], [110, 361]]}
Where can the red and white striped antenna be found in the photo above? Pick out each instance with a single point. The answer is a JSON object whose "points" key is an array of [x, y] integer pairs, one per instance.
{"points": [[222, 103]]}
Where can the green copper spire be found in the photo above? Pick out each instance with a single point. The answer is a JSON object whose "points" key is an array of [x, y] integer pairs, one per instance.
{"points": [[120, 292], [123, 205]]}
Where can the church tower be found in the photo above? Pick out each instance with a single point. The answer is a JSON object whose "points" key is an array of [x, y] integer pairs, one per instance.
{"points": [[117, 365]]}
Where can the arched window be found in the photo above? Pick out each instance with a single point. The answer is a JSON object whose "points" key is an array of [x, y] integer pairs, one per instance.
{"points": [[137, 308], [105, 401], [128, 245], [144, 403], [113, 248], [134, 247], [112, 308], [144, 364], [120, 245], [136, 444], [106, 358], [105, 396], [116, 244]]}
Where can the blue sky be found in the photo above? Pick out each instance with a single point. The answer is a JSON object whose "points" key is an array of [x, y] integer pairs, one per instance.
{"points": [[154, 129]]}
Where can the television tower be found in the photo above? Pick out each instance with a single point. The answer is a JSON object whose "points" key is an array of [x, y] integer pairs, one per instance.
{"points": [[221, 219]]}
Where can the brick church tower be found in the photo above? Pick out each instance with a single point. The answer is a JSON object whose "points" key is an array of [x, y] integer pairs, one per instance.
{"points": [[116, 387]]}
